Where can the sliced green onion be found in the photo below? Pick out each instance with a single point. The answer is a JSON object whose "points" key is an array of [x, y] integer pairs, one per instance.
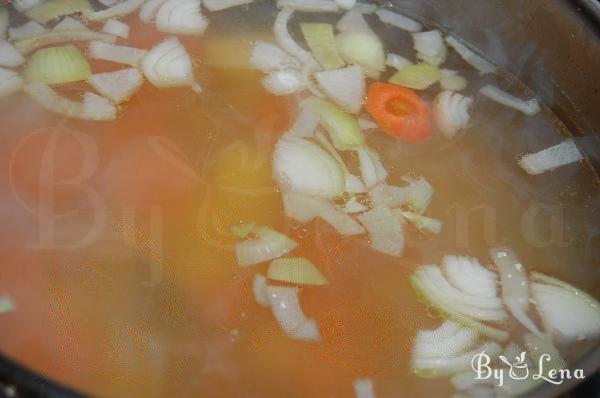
{"points": [[297, 270], [57, 65], [321, 41], [423, 223], [341, 126], [362, 48], [50, 9], [60, 36], [385, 230], [269, 245], [242, 230], [417, 76]]}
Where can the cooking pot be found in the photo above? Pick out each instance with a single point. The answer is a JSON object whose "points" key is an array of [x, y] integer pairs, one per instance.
{"points": [[553, 46]]}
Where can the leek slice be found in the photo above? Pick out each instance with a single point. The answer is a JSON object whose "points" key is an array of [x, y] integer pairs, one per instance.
{"points": [[119, 86], [297, 270], [321, 41], [417, 76], [385, 230], [29, 29], [116, 11], [371, 168], [341, 126], [9, 56], [119, 54], [285, 303], [346, 87], [60, 36], [363, 48], [57, 65], [50, 9], [423, 223], [10, 82], [269, 245]]}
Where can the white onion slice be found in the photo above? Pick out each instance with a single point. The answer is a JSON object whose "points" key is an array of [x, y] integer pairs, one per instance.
{"points": [[269, 245], [304, 167], [285, 303], [268, 57], [354, 184], [430, 47], [9, 55], [168, 65], [96, 107], [396, 61], [285, 39], [366, 8], [515, 288], [417, 194], [346, 4], [217, 5], [24, 5], [448, 340], [366, 124], [308, 69], [305, 125], [351, 21], [371, 168], [60, 36], [468, 275], [385, 230], [24, 31], [309, 5], [470, 57], [69, 23], [363, 388], [399, 21], [149, 10], [283, 82], [550, 158], [354, 206], [447, 366], [118, 10], [305, 208], [259, 288], [564, 309], [345, 86], [114, 53], [451, 112], [116, 28], [118, 86], [528, 107], [10, 82], [4, 22], [451, 80], [181, 17]]}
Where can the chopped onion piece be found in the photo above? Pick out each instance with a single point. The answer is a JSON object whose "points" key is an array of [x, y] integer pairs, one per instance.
{"points": [[354, 184], [149, 10], [417, 76], [397, 20], [50, 9], [451, 112], [114, 53], [436, 367], [116, 28], [419, 193], [305, 125], [451, 80], [268, 246], [242, 230], [118, 86], [296, 270], [564, 309], [397, 61], [515, 288], [367, 124], [363, 388], [346, 4], [470, 57], [284, 38], [108, 3], [9, 55], [354, 206], [181, 17], [285, 303], [68, 23], [10, 82], [57, 65], [309, 5], [423, 223], [283, 82], [301, 166], [4, 22], [29, 29], [448, 340], [430, 47], [259, 288], [352, 20], [51, 100], [540, 344], [118, 10], [346, 86], [385, 230], [550, 158], [363, 48], [268, 58], [217, 5], [371, 168], [6, 305], [468, 275], [529, 107], [24, 5], [366, 8], [60, 36], [321, 41], [168, 65], [308, 69], [96, 107]]}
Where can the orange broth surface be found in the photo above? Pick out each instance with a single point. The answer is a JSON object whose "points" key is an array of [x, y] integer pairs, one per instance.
{"points": [[146, 299]]}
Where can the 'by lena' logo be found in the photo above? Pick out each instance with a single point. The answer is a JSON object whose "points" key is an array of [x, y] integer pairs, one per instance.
{"points": [[519, 369]]}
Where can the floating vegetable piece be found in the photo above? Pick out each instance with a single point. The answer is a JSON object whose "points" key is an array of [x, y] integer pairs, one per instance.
{"points": [[57, 65], [550, 158], [119, 86], [217, 5], [417, 76], [296, 270], [9, 56], [351, 21], [470, 57], [24, 31], [321, 41], [284, 38], [96, 107], [528, 107], [50, 9], [118, 10], [268, 58], [259, 288], [114, 53], [397, 61], [268, 246], [68, 23], [451, 112], [448, 340], [423, 223], [242, 230], [363, 388], [385, 230], [346, 87], [283, 82], [61, 36], [309, 5], [117, 28], [362, 48], [181, 17], [285, 303], [430, 47], [371, 168], [399, 21], [305, 125], [399, 112], [168, 65], [10, 82], [451, 80]]}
